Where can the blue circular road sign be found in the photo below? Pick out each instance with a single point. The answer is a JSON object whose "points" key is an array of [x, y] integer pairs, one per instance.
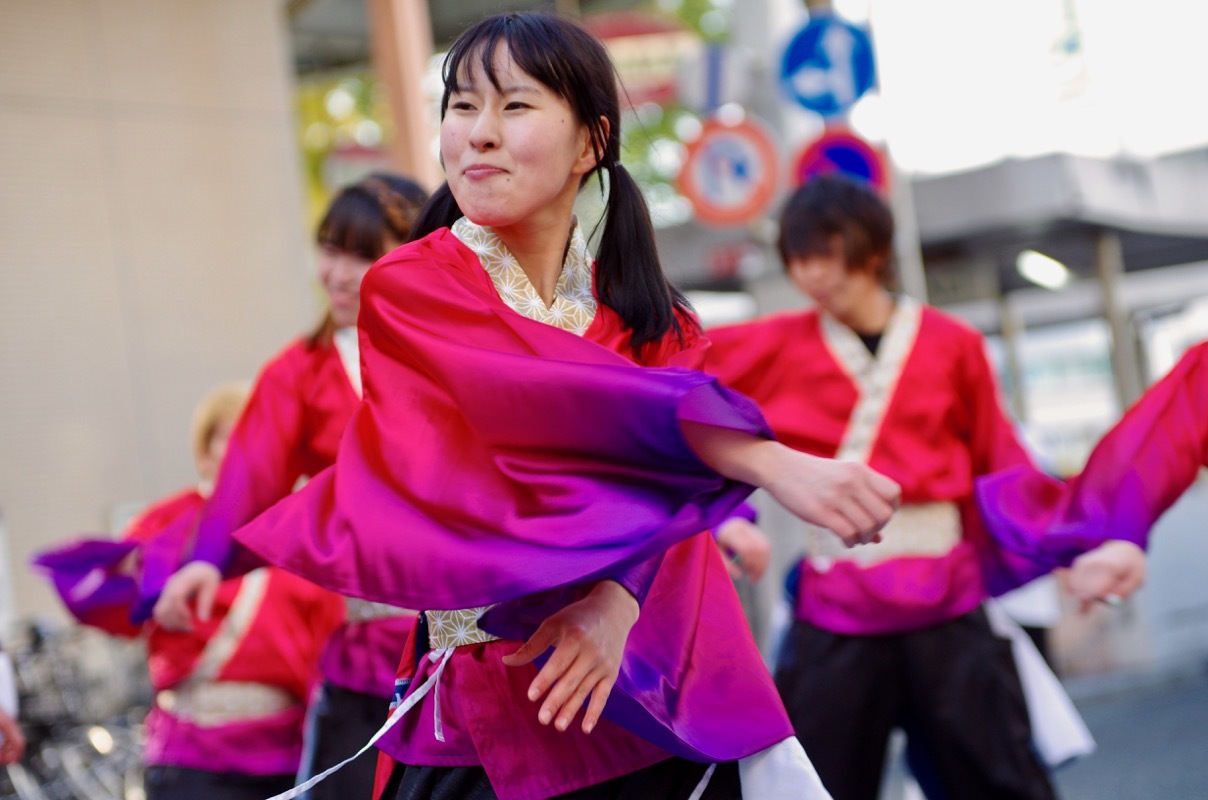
{"points": [[827, 65]]}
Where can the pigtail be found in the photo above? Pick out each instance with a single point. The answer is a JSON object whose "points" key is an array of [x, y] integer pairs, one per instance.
{"points": [[629, 276], [441, 211]]}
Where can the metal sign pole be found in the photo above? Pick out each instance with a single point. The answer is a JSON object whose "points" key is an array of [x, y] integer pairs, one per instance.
{"points": [[907, 249]]}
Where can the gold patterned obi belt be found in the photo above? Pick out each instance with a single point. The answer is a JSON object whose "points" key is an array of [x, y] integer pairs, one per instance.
{"points": [[447, 629], [209, 703], [917, 529]]}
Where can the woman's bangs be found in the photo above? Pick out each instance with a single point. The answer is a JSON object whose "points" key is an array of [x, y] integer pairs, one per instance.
{"points": [[352, 225], [533, 53]]}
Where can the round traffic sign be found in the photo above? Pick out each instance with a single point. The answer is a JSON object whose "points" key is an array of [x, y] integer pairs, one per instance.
{"points": [[827, 65], [730, 174], [843, 152]]}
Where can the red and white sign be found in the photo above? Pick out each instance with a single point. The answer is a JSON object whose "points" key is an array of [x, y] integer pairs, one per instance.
{"points": [[731, 173]]}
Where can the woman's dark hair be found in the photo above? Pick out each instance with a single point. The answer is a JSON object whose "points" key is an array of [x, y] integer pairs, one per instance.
{"points": [[365, 216], [573, 64], [831, 206], [366, 219]]}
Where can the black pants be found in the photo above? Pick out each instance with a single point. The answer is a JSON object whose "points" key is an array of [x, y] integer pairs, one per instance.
{"points": [[954, 686], [344, 721], [673, 779], [181, 783]]}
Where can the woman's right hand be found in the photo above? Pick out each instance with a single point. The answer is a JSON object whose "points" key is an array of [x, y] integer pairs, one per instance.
{"points": [[847, 498], [844, 497], [196, 581]]}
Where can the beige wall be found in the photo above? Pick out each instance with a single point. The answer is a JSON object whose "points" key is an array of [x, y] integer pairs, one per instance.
{"points": [[151, 246]]}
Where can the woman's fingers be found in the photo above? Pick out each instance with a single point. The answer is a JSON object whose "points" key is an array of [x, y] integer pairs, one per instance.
{"points": [[172, 612], [595, 709], [194, 580], [566, 710], [537, 644]]}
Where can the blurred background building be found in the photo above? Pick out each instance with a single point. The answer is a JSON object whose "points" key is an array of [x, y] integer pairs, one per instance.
{"points": [[162, 165]]}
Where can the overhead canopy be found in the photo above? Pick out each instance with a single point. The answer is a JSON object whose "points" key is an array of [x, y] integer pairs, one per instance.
{"points": [[973, 225]]}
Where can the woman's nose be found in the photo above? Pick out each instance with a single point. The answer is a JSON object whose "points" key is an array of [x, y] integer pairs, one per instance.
{"points": [[343, 271], [484, 135]]}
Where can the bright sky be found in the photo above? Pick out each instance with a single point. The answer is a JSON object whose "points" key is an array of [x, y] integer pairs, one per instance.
{"points": [[968, 82]]}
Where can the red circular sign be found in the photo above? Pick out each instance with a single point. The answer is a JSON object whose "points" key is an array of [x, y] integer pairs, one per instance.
{"points": [[843, 152], [730, 175]]}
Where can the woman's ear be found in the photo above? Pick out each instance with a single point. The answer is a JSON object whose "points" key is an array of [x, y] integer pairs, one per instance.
{"points": [[588, 158]]}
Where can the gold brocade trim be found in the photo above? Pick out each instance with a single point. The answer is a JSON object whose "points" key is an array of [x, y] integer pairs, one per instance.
{"points": [[456, 628], [574, 305]]}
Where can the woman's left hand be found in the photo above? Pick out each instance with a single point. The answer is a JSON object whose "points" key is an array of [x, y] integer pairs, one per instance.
{"points": [[748, 548], [588, 637]]}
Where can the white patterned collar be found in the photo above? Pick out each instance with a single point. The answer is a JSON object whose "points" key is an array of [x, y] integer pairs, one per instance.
{"points": [[574, 305], [876, 377]]}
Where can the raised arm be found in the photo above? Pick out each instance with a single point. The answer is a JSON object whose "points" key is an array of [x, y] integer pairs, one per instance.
{"points": [[847, 498], [262, 464]]}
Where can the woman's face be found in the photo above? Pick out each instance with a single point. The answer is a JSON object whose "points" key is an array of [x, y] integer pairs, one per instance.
{"points": [[340, 273], [513, 155]]}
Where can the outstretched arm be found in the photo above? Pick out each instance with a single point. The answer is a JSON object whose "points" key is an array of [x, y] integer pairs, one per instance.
{"points": [[847, 498]]}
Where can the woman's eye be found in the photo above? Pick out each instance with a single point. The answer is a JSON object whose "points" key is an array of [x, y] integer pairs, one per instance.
{"points": [[516, 104], [461, 105]]}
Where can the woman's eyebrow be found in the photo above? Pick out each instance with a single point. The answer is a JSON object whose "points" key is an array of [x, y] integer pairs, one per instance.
{"points": [[520, 88]]}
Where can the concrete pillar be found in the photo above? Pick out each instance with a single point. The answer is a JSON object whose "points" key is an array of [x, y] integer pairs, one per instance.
{"points": [[153, 246], [400, 39], [1012, 329], [1126, 366]]}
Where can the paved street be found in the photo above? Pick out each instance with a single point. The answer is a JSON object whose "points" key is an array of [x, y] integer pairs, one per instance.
{"points": [[1153, 743]]}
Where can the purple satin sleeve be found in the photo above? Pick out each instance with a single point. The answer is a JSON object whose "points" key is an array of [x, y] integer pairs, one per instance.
{"points": [[627, 497], [745, 511], [640, 577], [692, 681], [1135, 472], [83, 576]]}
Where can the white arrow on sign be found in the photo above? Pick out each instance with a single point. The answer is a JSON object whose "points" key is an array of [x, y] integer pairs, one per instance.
{"points": [[837, 80]]}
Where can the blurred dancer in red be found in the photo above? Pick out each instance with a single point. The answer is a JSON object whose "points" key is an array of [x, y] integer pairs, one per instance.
{"points": [[300, 405], [231, 694]]}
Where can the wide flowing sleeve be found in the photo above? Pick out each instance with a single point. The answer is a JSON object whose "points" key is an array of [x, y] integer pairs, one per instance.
{"points": [[493, 456], [1135, 472], [99, 580], [262, 462]]}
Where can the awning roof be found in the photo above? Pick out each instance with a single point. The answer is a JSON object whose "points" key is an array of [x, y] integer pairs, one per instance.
{"points": [[972, 225]]}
